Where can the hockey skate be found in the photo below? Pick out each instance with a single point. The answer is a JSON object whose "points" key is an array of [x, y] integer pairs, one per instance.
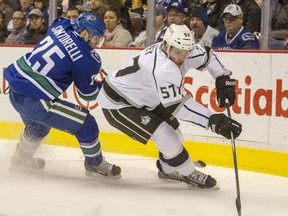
{"points": [[104, 168], [195, 180], [24, 161]]}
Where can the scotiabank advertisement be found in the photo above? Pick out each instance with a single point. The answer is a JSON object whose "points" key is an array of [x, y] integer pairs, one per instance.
{"points": [[262, 95]]}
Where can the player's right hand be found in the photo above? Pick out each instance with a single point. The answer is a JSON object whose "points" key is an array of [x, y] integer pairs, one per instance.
{"points": [[225, 87], [223, 125]]}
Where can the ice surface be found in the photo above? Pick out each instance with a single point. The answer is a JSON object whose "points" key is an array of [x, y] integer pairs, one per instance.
{"points": [[63, 189]]}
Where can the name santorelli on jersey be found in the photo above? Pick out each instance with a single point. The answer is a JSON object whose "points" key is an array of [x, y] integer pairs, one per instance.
{"points": [[67, 42]]}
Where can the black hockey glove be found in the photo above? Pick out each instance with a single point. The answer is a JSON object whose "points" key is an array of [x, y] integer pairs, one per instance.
{"points": [[165, 115], [225, 89], [221, 124]]}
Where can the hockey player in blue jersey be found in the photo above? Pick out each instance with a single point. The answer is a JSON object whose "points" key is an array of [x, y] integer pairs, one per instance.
{"points": [[36, 81], [236, 36]]}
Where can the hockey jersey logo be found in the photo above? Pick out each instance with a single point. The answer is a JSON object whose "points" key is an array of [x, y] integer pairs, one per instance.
{"points": [[145, 120], [247, 36], [95, 55]]}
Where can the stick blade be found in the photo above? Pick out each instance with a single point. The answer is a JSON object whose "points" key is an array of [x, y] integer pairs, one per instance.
{"points": [[199, 163], [238, 205]]}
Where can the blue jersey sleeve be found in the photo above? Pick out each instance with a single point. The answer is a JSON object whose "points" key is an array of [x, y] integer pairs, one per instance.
{"points": [[61, 58], [84, 75]]}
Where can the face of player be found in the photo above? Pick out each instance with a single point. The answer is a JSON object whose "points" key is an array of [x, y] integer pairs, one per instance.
{"points": [[197, 26], [232, 24], [110, 20], [178, 56], [95, 41], [175, 17], [36, 22]]}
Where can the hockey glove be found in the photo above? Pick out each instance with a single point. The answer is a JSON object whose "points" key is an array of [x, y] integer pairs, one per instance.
{"points": [[225, 89], [100, 76], [221, 124], [165, 115]]}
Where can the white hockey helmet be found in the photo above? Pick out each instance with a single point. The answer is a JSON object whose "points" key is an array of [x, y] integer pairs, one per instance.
{"points": [[179, 36]]}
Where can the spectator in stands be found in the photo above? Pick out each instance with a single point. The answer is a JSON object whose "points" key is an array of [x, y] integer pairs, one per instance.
{"points": [[176, 14], [6, 10], [286, 43], [279, 24], [15, 5], [139, 7], [26, 7], [19, 29], [38, 27], [43, 6], [236, 36], [214, 11], [72, 13], [3, 28], [74, 3], [259, 2], [98, 8], [125, 17], [61, 11], [202, 32], [280, 15], [251, 13], [115, 34], [160, 27]]}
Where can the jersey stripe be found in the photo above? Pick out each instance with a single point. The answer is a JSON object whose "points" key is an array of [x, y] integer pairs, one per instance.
{"points": [[129, 128], [65, 111], [39, 81], [33, 81], [89, 97]]}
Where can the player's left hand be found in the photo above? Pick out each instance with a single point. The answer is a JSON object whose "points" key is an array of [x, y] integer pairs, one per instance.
{"points": [[223, 125], [225, 87]]}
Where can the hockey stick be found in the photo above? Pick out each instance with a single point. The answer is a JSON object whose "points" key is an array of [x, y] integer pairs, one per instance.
{"points": [[238, 200]]}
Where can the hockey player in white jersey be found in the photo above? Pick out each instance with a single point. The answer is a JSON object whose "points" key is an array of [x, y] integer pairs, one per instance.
{"points": [[145, 98]]}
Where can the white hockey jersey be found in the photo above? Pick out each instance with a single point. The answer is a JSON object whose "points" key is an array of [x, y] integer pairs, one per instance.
{"points": [[151, 78]]}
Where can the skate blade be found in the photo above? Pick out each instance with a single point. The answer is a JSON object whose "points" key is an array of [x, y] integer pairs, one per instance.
{"points": [[216, 187], [101, 175]]}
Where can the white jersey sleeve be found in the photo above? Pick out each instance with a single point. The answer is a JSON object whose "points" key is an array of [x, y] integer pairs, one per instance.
{"points": [[204, 58], [191, 111]]}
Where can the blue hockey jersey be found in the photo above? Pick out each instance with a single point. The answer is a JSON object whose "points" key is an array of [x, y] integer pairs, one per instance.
{"points": [[61, 58], [242, 40]]}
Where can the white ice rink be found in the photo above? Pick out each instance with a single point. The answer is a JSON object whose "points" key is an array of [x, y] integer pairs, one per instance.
{"points": [[63, 189]]}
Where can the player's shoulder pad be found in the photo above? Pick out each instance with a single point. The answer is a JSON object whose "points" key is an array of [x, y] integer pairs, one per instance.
{"points": [[95, 55], [247, 36]]}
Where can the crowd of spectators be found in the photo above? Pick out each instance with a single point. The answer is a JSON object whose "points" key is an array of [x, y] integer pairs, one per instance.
{"points": [[125, 21]]}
